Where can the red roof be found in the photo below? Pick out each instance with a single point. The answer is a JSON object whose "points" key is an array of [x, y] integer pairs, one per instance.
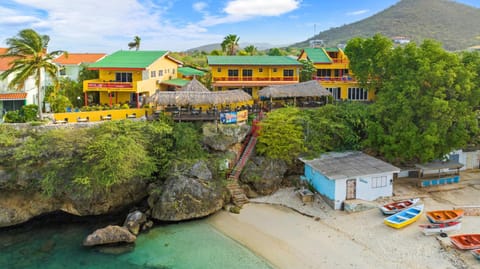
{"points": [[4, 62], [79, 58], [13, 96]]}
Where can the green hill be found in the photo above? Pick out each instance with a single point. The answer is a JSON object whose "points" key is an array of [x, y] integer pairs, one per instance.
{"points": [[455, 25]]}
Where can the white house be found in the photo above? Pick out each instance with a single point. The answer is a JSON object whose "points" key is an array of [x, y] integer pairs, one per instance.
{"points": [[12, 99], [341, 176]]}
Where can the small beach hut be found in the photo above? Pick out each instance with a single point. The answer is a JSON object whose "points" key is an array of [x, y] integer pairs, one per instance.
{"points": [[340, 176], [293, 91]]}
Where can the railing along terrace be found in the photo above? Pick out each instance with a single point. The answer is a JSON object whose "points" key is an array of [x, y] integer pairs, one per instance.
{"points": [[110, 84], [344, 78], [256, 78]]}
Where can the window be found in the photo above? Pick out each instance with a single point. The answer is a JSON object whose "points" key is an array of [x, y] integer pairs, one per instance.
{"points": [[274, 70], [324, 73], [233, 73], [173, 71], [379, 182], [288, 73], [219, 69], [357, 94], [62, 71], [260, 70], [153, 74], [336, 73], [335, 92], [123, 77], [247, 73], [160, 73]]}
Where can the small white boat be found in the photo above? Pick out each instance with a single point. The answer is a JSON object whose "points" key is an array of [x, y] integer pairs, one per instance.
{"points": [[395, 207], [437, 228]]}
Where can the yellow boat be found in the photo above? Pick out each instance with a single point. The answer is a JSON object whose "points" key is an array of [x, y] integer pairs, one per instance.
{"points": [[405, 217]]}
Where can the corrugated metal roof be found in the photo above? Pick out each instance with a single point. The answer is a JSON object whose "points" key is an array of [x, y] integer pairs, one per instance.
{"points": [[78, 58], [188, 71], [351, 164], [251, 60], [13, 96], [129, 59], [317, 55]]}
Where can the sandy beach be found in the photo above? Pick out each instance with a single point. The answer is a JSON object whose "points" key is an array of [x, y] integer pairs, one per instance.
{"points": [[336, 239]]}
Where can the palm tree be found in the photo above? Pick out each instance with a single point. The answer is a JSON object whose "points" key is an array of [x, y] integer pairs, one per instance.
{"points": [[251, 50], [230, 44], [135, 44], [30, 59]]}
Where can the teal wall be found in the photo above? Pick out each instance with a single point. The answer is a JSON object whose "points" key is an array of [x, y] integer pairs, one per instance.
{"points": [[320, 182]]}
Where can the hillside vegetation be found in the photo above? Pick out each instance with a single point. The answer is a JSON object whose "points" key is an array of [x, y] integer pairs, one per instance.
{"points": [[455, 25]]}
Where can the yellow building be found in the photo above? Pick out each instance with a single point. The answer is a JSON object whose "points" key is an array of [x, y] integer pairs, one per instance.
{"points": [[332, 72], [127, 77], [251, 73]]}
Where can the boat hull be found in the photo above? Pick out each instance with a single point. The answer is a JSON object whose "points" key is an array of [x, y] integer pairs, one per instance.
{"points": [[405, 217], [395, 207], [444, 216], [476, 253], [466, 241], [430, 229]]}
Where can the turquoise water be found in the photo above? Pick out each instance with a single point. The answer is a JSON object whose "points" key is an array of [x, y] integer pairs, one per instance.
{"points": [[190, 245]]}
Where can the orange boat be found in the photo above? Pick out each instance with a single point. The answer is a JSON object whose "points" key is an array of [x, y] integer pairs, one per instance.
{"points": [[466, 241], [444, 216]]}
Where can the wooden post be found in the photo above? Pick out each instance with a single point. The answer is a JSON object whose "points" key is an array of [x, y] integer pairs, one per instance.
{"points": [[85, 98]]}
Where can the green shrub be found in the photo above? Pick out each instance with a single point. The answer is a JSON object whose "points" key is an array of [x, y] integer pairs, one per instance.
{"points": [[13, 117], [29, 112]]}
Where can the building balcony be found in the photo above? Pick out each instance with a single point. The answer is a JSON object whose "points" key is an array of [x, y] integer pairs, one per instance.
{"points": [[334, 79], [255, 78], [103, 85]]}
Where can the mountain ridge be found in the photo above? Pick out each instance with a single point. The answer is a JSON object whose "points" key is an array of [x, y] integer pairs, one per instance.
{"points": [[449, 22]]}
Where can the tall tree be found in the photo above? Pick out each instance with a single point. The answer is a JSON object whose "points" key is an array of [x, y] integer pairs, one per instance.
{"points": [[251, 50], [307, 71], [367, 59], [425, 107], [281, 135], [30, 59], [230, 44], [135, 44]]}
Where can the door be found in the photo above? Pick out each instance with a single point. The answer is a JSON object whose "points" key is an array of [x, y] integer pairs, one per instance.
{"points": [[351, 189]]}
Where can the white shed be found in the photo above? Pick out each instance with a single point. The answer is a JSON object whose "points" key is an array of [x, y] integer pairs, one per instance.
{"points": [[340, 176]]}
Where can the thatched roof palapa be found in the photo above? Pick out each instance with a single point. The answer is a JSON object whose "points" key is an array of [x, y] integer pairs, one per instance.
{"points": [[194, 86], [304, 89], [194, 93]]}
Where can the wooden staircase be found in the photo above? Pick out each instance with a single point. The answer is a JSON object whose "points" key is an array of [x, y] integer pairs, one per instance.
{"points": [[238, 195]]}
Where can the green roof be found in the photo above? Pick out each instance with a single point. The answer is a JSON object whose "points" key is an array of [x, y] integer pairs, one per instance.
{"points": [[251, 60], [129, 59], [317, 55], [332, 49], [176, 82], [188, 71]]}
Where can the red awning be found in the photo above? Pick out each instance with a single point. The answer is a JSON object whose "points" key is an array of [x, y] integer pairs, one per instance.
{"points": [[13, 96]]}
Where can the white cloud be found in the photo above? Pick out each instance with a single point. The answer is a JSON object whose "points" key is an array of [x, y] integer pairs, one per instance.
{"points": [[199, 6], [261, 8], [241, 10], [358, 12], [100, 26]]}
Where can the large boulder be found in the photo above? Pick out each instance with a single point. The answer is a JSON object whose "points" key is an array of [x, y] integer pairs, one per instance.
{"points": [[21, 204], [109, 235], [135, 221], [184, 198], [200, 170], [223, 137], [264, 175]]}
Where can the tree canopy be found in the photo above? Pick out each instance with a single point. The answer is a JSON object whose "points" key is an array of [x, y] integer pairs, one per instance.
{"points": [[425, 98], [30, 59]]}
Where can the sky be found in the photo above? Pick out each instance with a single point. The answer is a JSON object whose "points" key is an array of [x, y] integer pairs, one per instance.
{"points": [[105, 26]]}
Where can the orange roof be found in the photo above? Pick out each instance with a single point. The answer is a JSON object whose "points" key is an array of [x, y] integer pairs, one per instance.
{"points": [[13, 96], [4, 62], [79, 58]]}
